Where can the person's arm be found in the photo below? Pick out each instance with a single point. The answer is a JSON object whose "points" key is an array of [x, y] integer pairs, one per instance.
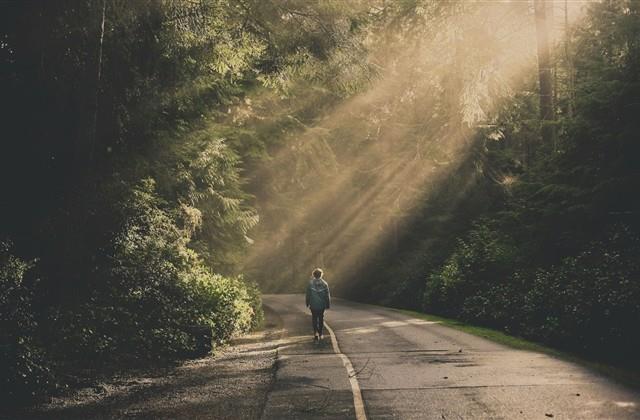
{"points": [[308, 296], [328, 302]]}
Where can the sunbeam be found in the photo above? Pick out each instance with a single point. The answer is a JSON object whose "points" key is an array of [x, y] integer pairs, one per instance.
{"points": [[389, 147]]}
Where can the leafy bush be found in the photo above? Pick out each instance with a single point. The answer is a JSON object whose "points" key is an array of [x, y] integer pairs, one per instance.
{"points": [[476, 272], [590, 301], [226, 304], [24, 371], [152, 295], [139, 293]]}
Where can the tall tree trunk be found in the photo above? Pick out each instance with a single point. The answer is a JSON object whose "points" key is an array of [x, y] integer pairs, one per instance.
{"points": [[544, 70], [94, 121], [568, 61], [554, 69]]}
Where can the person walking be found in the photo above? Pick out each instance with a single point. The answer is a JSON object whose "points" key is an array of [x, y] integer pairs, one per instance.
{"points": [[318, 299]]}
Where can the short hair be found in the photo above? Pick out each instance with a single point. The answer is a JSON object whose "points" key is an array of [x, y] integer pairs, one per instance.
{"points": [[317, 273]]}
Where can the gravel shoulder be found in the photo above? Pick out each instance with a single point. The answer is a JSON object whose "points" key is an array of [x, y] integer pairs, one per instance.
{"points": [[231, 384]]}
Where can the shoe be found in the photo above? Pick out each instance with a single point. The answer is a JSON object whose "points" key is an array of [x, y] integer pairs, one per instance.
{"points": [[321, 337], [315, 337]]}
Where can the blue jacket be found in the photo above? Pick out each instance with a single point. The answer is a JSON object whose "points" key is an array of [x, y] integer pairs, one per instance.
{"points": [[318, 296]]}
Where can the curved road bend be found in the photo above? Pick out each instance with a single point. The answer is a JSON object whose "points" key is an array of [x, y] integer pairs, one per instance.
{"points": [[408, 368]]}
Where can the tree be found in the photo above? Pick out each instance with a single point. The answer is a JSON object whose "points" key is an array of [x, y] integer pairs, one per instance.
{"points": [[568, 62], [544, 70], [94, 117]]}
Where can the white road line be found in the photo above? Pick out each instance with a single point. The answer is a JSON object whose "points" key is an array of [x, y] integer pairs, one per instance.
{"points": [[353, 380]]}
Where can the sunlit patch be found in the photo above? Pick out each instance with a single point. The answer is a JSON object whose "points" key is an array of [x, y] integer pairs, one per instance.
{"points": [[290, 342], [625, 404], [362, 330], [508, 180], [394, 324], [357, 320], [422, 322]]}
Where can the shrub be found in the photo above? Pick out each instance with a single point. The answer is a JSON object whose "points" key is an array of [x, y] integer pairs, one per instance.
{"points": [[590, 301], [24, 371], [152, 296], [473, 277]]}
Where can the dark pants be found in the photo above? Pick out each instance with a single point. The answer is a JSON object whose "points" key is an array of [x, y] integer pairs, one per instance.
{"points": [[317, 320]]}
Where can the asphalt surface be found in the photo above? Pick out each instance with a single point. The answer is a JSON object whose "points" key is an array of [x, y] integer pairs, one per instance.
{"points": [[407, 368]]}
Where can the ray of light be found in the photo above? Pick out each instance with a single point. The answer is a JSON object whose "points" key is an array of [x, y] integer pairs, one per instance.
{"points": [[402, 155]]}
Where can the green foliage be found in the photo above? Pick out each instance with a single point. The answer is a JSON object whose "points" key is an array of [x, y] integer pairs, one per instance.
{"points": [[147, 296], [590, 300], [474, 275], [23, 365], [587, 302], [150, 290], [202, 173]]}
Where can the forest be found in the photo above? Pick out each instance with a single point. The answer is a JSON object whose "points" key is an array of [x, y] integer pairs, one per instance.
{"points": [[164, 162]]}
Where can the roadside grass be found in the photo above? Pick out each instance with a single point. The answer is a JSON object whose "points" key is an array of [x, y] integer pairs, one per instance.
{"points": [[625, 376]]}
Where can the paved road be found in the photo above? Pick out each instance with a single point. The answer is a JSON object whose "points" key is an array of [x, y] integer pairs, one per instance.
{"points": [[408, 368]]}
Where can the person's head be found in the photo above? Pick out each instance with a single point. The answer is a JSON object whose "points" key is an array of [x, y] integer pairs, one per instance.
{"points": [[317, 273]]}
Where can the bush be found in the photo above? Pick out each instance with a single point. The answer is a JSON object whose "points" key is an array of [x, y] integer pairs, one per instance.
{"points": [[590, 301], [140, 293], [474, 277], [24, 371], [152, 296], [226, 304]]}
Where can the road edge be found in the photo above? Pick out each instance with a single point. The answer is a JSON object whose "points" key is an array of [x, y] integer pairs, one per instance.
{"points": [[358, 402]]}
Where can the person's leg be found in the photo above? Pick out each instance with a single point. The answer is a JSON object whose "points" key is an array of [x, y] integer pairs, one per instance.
{"points": [[320, 321], [314, 321]]}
